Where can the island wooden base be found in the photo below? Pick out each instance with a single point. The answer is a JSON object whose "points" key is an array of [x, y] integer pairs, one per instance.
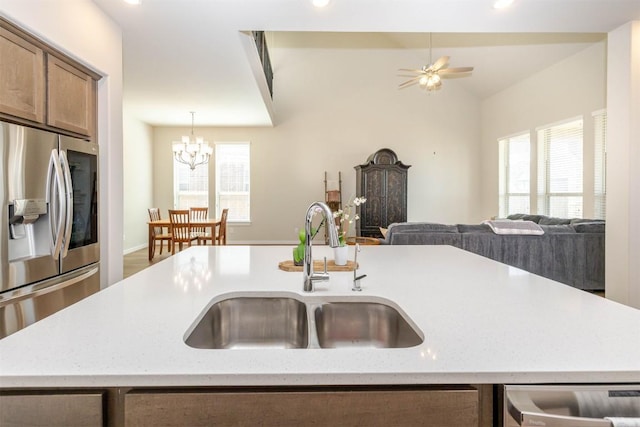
{"points": [[343, 406]]}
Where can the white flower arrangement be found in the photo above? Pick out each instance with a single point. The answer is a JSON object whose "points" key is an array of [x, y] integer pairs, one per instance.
{"points": [[347, 216]]}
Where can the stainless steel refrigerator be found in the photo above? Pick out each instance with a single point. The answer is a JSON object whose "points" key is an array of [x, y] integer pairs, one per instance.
{"points": [[49, 248]]}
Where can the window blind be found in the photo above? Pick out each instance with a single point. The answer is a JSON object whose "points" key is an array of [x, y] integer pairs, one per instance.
{"points": [[514, 174], [233, 172], [190, 187], [560, 172], [600, 166]]}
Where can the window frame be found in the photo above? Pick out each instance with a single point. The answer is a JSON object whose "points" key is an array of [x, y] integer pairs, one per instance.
{"points": [[545, 195], [218, 145], [201, 194], [600, 164], [504, 164]]}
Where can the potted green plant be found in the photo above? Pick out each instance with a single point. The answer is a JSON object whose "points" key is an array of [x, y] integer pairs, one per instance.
{"points": [[298, 251]]}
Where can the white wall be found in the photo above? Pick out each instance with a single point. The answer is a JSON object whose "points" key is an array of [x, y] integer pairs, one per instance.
{"points": [[573, 87], [81, 30], [623, 173], [138, 175], [330, 117]]}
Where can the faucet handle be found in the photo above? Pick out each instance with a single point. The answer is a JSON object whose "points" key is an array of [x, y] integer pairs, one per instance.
{"points": [[356, 278], [325, 265]]}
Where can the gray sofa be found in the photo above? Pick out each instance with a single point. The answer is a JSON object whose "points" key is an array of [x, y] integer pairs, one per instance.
{"points": [[570, 251]]}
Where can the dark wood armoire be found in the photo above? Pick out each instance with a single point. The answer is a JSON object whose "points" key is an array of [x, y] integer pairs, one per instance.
{"points": [[383, 181]]}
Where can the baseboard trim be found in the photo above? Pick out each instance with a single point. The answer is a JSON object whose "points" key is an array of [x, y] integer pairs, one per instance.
{"points": [[134, 249]]}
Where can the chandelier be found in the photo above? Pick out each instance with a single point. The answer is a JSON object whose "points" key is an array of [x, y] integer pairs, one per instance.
{"points": [[192, 150]]}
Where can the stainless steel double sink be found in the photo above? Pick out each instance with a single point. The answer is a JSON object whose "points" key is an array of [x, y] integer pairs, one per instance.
{"points": [[265, 320]]}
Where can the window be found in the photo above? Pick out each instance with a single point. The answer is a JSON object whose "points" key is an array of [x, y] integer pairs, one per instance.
{"points": [[560, 170], [514, 174], [232, 180], [600, 167], [190, 187]]}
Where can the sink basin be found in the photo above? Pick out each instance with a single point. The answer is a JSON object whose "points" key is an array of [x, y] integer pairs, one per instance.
{"points": [[252, 322], [289, 321], [363, 324]]}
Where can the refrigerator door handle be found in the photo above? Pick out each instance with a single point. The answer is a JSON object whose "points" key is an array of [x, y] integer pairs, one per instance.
{"points": [[48, 289], [56, 218], [68, 191]]}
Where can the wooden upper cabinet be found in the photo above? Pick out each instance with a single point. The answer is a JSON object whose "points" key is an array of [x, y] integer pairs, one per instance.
{"points": [[70, 95], [21, 78]]}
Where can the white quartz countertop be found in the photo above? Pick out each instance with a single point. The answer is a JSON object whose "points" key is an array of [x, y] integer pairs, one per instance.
{"points": [[482, 321]]}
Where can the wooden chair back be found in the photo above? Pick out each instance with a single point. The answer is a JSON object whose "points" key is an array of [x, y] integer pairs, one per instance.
{"points": [[158, 233], [198, 214], [221, 238], [154, 215], [180, 228]]}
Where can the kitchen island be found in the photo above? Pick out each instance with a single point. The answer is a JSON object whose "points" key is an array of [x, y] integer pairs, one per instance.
{"points": [[482, 323]]}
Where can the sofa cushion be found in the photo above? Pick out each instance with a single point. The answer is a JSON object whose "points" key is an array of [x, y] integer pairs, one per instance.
{"points": [[421, 227], [527, 217], [589, 227], [581, 220], [545, 220], [474, 228], [558, 229], [429, 238]]}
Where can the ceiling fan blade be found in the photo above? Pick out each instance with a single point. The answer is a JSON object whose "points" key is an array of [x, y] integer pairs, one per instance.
{"points": [[440, 63], [411, 70], [409, 82], [455, 70]]}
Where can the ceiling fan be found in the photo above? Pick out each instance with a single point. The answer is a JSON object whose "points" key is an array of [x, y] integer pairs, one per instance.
{"points": [[430, 77]]}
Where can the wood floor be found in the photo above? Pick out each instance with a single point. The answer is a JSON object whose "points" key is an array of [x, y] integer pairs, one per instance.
{"points": [[139, 260]]}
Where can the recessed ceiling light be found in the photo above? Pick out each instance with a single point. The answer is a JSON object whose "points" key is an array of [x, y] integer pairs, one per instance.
{"points": [[320, 3], [501, 4], [136, 2]]}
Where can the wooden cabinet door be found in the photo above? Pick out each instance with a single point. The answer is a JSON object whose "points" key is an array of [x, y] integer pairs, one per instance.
{"points": [[396, 196], [21, 78], [372, 213], [51, 409], [371, 408], [70, 94]]}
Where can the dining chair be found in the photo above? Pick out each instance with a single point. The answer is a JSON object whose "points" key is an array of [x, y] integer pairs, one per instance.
{"points": [[221, 237], [180, 228], [198, 214], [158, 233]]}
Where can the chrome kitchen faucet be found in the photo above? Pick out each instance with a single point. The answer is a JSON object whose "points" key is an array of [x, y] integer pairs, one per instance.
{"points": [[308, 275]]}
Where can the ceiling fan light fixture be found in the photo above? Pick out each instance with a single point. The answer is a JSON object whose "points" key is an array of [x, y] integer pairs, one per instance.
{"points": [[428, 76], [434, 82], [320, 3]]}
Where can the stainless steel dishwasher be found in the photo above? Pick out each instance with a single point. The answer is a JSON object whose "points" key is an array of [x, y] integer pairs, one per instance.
{"points": [[571, 405]]}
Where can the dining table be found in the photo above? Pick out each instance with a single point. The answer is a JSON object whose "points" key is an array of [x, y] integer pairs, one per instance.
{"points": [[211, 223]]}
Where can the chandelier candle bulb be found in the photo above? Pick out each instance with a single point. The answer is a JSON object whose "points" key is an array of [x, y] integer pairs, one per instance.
{"points": [[192, 150]]}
